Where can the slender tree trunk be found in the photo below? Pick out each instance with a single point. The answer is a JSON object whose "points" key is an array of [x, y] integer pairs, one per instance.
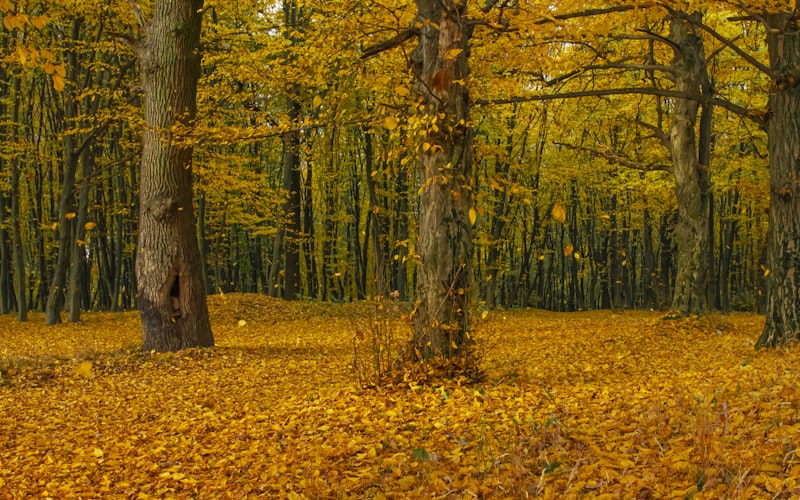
{"points": [[783, 237], [692, 180], [172, 300], [66, 203], [312, 282], [377, 221], [292, 236], [16, 228], [440, 61], [401, 233], [77, 284]]}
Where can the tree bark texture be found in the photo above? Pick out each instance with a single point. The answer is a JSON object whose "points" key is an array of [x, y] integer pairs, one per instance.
{"points": [[692, 180], [172, 300], [444, 248], [783, 237]]}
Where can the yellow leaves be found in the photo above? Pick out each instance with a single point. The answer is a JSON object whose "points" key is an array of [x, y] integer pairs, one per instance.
{"points": [[90, 225], [559, 213], [58, 83], [627, 401], [84, 369], [568, 250], [39, 22], [473, 216], [317, 102], [15, 21], [452, 54], [390, 123], [70, 215]]}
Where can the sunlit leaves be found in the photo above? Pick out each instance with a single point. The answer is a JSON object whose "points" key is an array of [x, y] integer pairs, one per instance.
{"points": [[629, 402], [559, 213]]}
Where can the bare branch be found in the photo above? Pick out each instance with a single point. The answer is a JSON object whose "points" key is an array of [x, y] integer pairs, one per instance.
{"points": [[728, 43], [391, 43], [616, 158], [592, 12]]}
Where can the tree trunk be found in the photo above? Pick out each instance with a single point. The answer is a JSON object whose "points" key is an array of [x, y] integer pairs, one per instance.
{"points": [[692, 180], [783, 237], [66, 202], [292, 235], [16, 229], [440, 64], [77, 271], [172, 300]]}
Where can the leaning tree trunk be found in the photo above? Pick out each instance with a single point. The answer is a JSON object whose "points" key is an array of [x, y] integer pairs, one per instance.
{"points": [[783, 237], [172, 300], [692, 180], [444, 247]]}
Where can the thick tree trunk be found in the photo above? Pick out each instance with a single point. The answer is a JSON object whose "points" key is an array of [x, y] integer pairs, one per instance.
{"points": [[440, 61], [692, 180], [172, 300], [783, 237]]}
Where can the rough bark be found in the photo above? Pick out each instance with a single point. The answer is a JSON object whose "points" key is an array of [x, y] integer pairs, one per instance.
{"points": [[172, 300], [440, 63], [692, 180], [783, 237]]}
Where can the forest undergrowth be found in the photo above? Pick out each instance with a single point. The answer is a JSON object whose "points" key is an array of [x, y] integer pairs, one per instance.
{"points": [[579, 405]]}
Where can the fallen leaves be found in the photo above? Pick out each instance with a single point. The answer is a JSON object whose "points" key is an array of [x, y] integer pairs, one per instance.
{"points": [[575, 405]]}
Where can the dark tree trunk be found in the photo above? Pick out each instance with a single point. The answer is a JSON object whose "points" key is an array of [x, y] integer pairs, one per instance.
{"points": [[308, 232], [783, 237], [171, 294], [16, 229], [77, 284], [649, 296], [377, 220], [401, 234], [66, 202], [292, 236], [440, 64]]}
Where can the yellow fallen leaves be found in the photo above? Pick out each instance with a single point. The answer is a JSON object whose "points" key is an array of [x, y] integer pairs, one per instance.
{"points": [[596, 405]]}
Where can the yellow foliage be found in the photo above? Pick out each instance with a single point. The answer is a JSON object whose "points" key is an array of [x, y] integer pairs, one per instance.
{"points": [[581, 405]]}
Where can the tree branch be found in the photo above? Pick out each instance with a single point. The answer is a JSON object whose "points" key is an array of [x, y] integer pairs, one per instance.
{"points": [[674, 94], [615, 158], [391, 43], [728, 43]]}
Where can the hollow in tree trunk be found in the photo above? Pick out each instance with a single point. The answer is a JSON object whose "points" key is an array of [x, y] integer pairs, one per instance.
{"points": [[172, 300]]}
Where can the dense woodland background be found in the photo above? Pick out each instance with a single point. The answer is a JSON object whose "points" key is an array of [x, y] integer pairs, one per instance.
{"points": [[306, 171]]}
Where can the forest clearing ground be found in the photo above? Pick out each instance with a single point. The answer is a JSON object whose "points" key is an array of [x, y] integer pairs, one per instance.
{"points": [[575, 405]]}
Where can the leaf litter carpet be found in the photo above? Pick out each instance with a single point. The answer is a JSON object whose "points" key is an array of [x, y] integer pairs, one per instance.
{"points": [[582, 405]]}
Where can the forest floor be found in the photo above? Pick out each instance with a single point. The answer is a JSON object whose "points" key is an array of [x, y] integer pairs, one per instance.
{"points": [[581, 405]]}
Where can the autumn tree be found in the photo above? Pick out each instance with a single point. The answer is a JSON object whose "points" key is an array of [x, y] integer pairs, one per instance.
{"points": [[783, 238], [172, 300], [440, 64]]}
